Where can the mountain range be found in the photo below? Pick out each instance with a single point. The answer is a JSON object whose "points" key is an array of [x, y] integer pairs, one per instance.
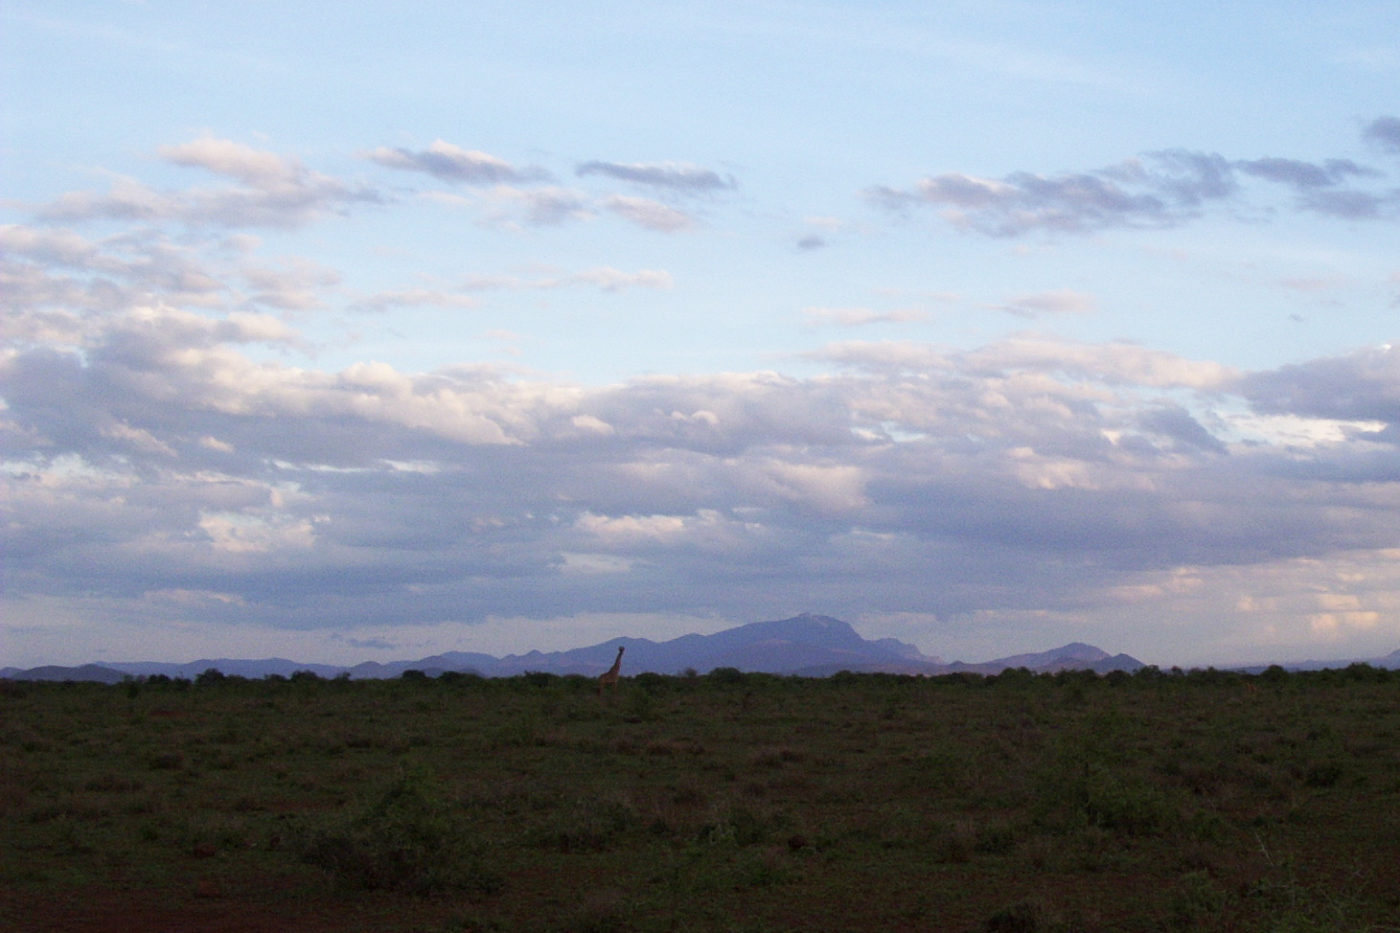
{"points": [[805, 645]]}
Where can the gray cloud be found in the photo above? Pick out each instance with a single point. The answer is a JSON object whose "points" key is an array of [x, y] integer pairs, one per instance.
{"points": [[1305, 174], [509, 206], [1165, 188], [1385, 133], [1317, 186], [548, 207], [1178, 425], [1363, 386], [1352, 205], [509, 200], [452, 163], [1160, 189], [671, 176], [1187, 179]]}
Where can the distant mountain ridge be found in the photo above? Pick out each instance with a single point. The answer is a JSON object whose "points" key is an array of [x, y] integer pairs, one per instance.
{"points": [[804, 645]]}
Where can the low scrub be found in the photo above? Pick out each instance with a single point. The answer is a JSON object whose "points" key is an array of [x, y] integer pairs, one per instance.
{"points": [[407, 838], [1161, 801]]}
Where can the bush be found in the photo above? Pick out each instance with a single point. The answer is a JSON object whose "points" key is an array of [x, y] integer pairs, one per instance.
{"points": [[726, 675], [585, 824], [1082, 787], [209, 677], [1012, 677], [653, 683], [406, 839], [1365, 673], [460, 677]]}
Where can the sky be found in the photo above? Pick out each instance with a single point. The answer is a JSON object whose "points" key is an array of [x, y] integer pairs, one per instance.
{"points": [[365, 331]]}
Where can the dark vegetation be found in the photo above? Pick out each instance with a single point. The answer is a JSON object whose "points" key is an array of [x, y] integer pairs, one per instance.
{"points": [[1021, 802]]}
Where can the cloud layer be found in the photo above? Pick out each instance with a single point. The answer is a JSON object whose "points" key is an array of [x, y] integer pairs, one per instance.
{"points": [[150, 455], [163, 462]]}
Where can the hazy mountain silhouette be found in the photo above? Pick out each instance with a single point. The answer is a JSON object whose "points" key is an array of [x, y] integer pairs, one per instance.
{"points": [[805, 645], [86, 672]]}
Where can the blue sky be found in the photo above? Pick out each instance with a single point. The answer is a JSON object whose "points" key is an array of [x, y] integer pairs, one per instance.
{"points": [[355, 330]]}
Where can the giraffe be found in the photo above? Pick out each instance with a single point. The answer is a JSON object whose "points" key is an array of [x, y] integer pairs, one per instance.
{"points": [[611, 676]]}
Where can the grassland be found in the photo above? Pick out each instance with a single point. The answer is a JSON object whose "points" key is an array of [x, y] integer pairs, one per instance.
{"points": [[1161, 801]]}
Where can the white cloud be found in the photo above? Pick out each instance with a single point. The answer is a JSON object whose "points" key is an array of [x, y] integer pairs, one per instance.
{"points": [[253, 167], [613, 280], [272, 191], [644, 212], [464, 294], [1111, 363], [417, 297], [60, 247], [1295, 430], [1064, 301], [241, 533], [628, 529], [828, 488], [857, 317], [296, 285]]}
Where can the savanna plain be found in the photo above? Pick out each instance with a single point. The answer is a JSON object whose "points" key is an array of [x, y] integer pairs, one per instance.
{"points": [[1201, 800]]}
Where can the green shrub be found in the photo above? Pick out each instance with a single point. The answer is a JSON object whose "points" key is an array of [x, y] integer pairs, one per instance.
{"points": [[408, 839], [641, 704], [1197, 901], [737, 824], [209, 677], [726, 676], [1023, 917], [585, 824], [1095, 794]]}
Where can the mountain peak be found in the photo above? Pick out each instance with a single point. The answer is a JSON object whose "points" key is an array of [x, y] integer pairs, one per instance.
{"points": [[806, 627], [819, 619], [1079, 651]]}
